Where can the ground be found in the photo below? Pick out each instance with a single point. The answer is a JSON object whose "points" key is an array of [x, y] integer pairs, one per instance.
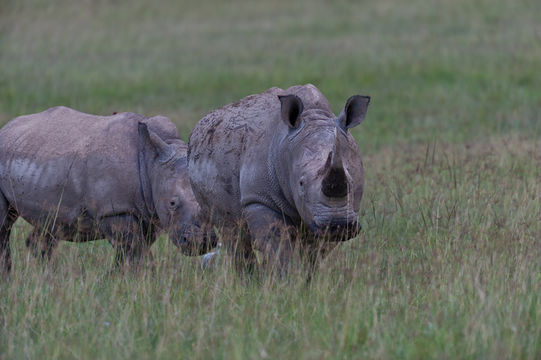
{"points": [[448, 264]]}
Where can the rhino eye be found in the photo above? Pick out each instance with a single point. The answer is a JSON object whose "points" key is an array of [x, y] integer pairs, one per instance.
{"points": [[301, 183], [174, 203]]}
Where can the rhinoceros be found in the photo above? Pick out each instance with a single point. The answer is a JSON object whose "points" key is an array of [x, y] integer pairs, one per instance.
{"points": [[80, 177], [280, 162]]}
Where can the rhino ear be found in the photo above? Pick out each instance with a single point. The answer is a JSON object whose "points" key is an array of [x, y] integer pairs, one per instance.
{"points": [[164, 151], [354, 111], [291, 110]]}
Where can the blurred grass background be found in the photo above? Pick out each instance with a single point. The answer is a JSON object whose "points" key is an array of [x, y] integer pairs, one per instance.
{"points": [[448, 265]]}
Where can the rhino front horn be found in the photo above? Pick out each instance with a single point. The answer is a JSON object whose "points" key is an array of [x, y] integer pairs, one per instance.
{"points": [[335, 184]]}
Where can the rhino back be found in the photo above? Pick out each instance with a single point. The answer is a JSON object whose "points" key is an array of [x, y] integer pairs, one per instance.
{"points": [[65, 161]]}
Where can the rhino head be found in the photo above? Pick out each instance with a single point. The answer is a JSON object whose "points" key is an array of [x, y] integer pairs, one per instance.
{"points": [[171, 193], [321, 165]]}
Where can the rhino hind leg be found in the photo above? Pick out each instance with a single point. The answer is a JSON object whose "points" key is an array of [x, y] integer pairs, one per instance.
{"points": [[131, 239], [8, 215]]}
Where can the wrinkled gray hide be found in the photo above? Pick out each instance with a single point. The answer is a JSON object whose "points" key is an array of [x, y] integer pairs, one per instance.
{"points": [[81, 177], [280, 162]]}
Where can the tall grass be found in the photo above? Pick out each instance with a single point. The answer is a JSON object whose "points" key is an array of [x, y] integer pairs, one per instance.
{"points": [[436, 273], [448, 264]]}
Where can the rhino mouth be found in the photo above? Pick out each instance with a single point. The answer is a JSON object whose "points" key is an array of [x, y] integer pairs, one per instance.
{"points": [[336, 230], [194, 241]]}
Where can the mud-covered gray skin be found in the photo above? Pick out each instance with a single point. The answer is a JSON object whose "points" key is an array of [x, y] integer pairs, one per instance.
{"points": [[80, 177], [280, 162]]}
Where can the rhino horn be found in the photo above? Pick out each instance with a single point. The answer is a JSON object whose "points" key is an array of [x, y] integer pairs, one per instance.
{"points": [[165, 151], [335, 182], [336, 156]]}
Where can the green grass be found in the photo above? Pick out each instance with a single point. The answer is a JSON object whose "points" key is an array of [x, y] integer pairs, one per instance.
{"points": [[449, 262]]}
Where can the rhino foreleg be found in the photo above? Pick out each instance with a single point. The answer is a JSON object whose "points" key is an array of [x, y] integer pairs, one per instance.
{"points": [[316, 253], [271, 235], [244, 258], [237, 243], [40, 243], [130, 238], [128, 253]]}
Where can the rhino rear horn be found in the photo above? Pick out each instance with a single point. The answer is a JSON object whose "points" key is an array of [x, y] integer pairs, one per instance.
{"points": [[354, 112], [291, 110], [165, 151]]}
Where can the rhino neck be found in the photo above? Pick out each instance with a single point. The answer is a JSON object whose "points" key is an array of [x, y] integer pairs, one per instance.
{"points": [[280, 190], [146, 201]]}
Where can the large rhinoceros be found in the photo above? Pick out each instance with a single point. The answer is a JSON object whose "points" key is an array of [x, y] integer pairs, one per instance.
{"points": [[81, 177], [279, 162]]}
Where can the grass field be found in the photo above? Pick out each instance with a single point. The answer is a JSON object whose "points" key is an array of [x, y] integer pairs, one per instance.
{"points": [[449, 261]]}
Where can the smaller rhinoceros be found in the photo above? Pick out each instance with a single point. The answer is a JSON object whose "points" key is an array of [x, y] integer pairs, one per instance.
{"points": [[80, 177], [280, 162]]}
